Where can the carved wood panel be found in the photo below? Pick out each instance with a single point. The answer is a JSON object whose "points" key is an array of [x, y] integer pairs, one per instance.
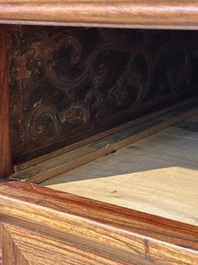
{"points": [[69, 83]]}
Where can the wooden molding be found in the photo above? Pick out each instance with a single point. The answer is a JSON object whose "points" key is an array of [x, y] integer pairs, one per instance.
{"points": [[125, 235], [126, 14]]}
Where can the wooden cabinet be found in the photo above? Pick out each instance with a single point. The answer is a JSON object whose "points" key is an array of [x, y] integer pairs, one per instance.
{"points": [[41, 225], [108, 78]]}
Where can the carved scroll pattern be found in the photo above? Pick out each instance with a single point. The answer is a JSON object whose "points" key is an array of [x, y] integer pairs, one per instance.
{"points": [[66, 81]]}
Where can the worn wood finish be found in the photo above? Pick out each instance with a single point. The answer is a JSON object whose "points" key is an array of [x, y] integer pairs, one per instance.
{"points": [[129, 14], [5, 149], [100, 135], [68, 84], [124, 235], [91, 151]]}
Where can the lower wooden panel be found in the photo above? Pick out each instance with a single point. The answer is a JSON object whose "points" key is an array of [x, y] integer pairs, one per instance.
{"points": [[42, 226], [22, 246]]}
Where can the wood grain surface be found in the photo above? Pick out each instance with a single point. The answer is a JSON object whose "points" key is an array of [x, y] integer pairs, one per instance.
{"points": [[5, 147], [37, 249], [114, 13], [121, 234], [157, 175]]}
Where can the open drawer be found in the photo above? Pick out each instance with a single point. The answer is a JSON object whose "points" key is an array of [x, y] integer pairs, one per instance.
{"points": [[99, 165], [137, 205]]}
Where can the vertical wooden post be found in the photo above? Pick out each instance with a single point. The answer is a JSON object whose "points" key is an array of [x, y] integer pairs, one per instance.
{"points": [[5, 145]]}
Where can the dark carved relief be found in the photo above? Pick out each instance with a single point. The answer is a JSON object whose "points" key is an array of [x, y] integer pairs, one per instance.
{"points": [[69, 81]]}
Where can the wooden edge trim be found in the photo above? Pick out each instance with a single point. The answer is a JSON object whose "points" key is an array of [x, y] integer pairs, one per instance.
{"points": [[164, 14], [5, 144], [99, 25], [98, 226]]}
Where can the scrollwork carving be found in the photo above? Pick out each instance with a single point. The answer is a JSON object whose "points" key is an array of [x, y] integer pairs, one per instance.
{"points": [[73, 79], [43, 122]]}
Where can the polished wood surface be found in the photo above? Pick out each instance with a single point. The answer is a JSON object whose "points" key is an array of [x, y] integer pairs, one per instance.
{"points": [[125, 236], [5, 149], [114, 13], [26, 250]]}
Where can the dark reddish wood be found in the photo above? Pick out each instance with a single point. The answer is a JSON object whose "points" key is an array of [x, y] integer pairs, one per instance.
{"points": [[123, 235], [5, 149]]}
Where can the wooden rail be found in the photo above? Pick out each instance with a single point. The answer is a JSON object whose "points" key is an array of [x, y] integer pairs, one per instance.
{"points": [[91, 229], [115, 13]]}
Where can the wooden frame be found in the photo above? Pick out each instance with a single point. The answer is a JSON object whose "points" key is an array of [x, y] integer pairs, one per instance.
{"points": [[123, 14], [95, 232]]}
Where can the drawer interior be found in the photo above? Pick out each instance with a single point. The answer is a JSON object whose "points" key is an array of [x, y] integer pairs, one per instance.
{"points": [[92, 112], [98, 151], [156, 175]]}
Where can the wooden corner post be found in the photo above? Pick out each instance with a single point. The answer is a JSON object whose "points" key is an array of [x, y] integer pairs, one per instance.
{"points": [[5, 145]]}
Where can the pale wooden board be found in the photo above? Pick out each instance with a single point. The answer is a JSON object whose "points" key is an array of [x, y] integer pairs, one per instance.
{"points": [[157, 175]]}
